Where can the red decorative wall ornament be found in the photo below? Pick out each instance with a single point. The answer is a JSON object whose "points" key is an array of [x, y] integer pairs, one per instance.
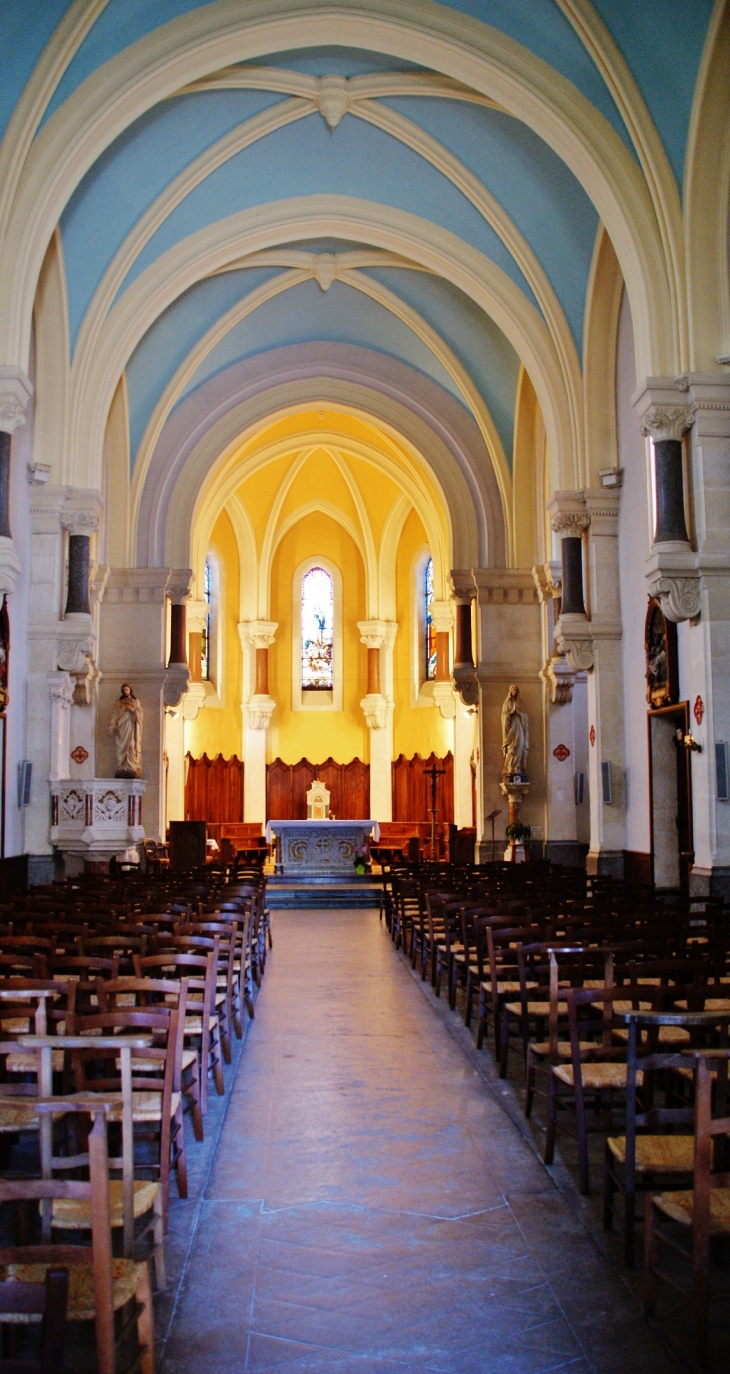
{"points": [[79, 754], [698, 710], [561, 752], [592, 734]]}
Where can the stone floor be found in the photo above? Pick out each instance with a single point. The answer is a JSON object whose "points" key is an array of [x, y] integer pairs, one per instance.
{"points": [[365, 1201]]}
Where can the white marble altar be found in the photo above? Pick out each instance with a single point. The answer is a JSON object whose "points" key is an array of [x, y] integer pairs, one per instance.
{"points": [[320, 848]]}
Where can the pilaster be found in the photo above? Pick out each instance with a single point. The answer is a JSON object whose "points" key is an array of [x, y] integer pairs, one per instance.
{"points": [[257, 707], [377, 706], [15, 393], [605, 686], [558, 676]]}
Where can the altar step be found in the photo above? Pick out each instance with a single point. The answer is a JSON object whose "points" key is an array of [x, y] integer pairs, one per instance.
{"points": [[306, 893]]}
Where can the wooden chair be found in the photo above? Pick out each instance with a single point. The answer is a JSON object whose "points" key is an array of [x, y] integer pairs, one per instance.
{"points": [[647, 1154], [705, 1211], [202, 1027], [45, 1301], [597, 1072], [98, 1285]]}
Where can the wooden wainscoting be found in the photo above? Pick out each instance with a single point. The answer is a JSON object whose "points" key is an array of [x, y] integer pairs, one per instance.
{"points": [[412, 789], [214, 789], [287, 785]]}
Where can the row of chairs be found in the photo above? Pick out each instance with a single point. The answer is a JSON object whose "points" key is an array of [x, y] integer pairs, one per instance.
{"points": [[119, 1002], [618, 1004]]}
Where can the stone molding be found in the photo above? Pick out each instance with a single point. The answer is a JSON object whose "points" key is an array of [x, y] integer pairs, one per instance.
{"points": [[574, 640], [9, 565], [96, 817], [98, 578], [463, 588], [675, 582], [260, 633], [667, 422], [196, 616], [258, 711], [193, 700], [15, 393], [142, 585], [177, 682], [559, 676], [61, 689], [375, 708], [568, 514], [466, 683], [665, 407], [504, 586], [444, 699], [602, 506], [548, 579]]}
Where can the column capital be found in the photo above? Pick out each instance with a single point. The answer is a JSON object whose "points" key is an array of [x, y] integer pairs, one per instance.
{"points": [[375, 709], [664, 407], [197, 615], [15, 393], [442, 615], [179, 582], [61, 689], [463, 589], [372, 632], [568, 514], [602, 505], [80, 511], [260, 633]]}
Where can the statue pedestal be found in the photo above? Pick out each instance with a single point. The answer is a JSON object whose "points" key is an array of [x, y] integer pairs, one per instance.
{"points": [[95, 818], [515, 792]]}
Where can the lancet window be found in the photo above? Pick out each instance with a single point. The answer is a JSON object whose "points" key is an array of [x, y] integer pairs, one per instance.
{"points": [[317, 623], [205, 638], [429, 630]]}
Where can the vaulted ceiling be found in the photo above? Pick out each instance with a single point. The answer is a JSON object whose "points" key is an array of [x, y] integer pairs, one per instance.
{"points": [[187, 232]]}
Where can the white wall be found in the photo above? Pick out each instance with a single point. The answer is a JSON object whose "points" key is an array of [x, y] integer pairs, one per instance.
{"points": [[633, 543]]}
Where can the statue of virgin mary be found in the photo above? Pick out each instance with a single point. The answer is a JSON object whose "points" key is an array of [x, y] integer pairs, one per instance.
{"points": [[515, 734]]}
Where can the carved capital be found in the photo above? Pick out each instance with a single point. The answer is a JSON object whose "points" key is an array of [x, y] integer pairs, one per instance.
{"points": [[548, 579], [678, 594], [463, 586], [260, 633], [80, 511], [196, 616], [178, 585], [375, 710], [76, 657], [372, 633], [574, 640], [668, 421], [570, 524], [259, 710], [443, 698], [15, 393], [193, 700], [9, 564], [442, 615]]}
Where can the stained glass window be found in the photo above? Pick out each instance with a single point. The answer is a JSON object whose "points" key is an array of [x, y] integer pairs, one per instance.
{"points": [[317, 630], [429, 636], [205, 637]]}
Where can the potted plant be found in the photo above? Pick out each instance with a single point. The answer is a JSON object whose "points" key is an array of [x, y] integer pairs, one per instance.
{"points": [[517, 834]]}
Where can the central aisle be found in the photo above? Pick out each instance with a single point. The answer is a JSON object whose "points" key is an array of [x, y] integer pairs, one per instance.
{"points": [[371, 1207]]}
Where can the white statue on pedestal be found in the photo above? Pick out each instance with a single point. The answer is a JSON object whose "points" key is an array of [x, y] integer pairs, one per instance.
{"points": [[515, 734], [125, 724]]}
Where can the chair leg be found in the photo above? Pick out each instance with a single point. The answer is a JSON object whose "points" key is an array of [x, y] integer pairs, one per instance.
{"points": [[649, 1259], [215, 1052], [482, 1020], [158, 1233], [629, 1228], [552, 1124], [504, 1055], [609, 1191], [178, 1144], [194, 1091], [145, 1322], [529, 1085]]}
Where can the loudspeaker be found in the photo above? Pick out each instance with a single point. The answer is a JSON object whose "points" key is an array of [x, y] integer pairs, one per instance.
{"points": [[580, 782], [721, 770], [25, 773], [606, 782]]}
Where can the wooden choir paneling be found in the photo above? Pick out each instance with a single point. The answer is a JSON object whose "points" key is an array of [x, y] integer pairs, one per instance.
{"points": [[412, 789], [287, 785], [214, 789]]}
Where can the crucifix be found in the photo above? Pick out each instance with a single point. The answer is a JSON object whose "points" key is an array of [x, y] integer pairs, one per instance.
{"points": [[433, 773]]}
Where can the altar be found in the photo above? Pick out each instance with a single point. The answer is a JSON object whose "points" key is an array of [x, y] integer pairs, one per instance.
{"points": [[320, 847]]}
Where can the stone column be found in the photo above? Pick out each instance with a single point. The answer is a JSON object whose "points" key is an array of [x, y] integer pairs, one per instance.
{"points": [[605, 687], [378, 709], [666, 412], [132, 649], [15, 392], [257, 706], [197, 614], [558, 676], [704, 640], [509, 650], [60, 692]]}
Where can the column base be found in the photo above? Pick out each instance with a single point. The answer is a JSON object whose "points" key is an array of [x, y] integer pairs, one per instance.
{"points": [[709, 882], [608, 861], [567, 852]]}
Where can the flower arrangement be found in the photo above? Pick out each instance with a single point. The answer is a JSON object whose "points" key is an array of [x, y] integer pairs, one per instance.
{"points": [[517, 833], [362, 859]]}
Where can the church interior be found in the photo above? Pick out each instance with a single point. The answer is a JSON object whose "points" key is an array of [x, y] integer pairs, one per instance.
{"points": [[364, 686]]}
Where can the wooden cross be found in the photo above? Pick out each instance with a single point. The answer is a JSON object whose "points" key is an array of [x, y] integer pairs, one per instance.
{"points": [[433, 773]]}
